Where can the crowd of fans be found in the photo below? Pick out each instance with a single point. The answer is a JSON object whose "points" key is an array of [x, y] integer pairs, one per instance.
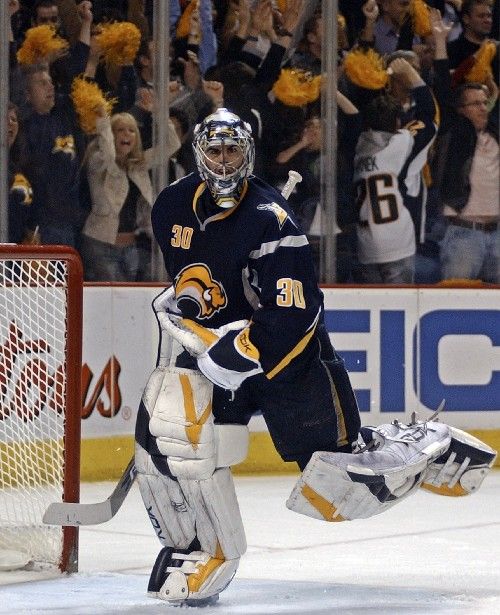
{"points": [[417, 157]]}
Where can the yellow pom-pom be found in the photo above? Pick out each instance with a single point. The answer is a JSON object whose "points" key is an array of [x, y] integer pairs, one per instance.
{"points": [[295, 87], [481, 69], [88, 100], [421, 16], [184, 23], [39, 43], [365, 69], [281, 5], [119, 42]]}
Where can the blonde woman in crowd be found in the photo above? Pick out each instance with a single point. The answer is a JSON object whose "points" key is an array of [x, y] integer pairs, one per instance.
{"points": [[121, 197]]}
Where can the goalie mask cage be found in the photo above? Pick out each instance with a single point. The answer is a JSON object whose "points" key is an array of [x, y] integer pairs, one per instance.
{"points": [[40, 402]]}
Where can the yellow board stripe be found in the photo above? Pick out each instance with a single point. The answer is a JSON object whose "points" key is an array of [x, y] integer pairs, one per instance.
{"points": [[193, 430], [322, 505], [105, 458]]}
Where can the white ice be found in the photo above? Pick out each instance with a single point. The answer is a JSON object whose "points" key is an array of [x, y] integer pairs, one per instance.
{"points": [[429, 554]]}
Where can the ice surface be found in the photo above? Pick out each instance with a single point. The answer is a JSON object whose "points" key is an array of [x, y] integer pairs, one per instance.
{"points": [[428, 554]]}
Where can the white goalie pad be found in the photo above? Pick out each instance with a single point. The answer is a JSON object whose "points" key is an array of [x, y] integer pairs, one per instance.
{"points": [[344, 486], [218, 520], [179, 402], [173, 521], [462, 468]]}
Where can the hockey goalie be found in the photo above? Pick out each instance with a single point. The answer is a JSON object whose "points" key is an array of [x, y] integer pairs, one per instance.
{"points": [[183, 460], [242, 332]]}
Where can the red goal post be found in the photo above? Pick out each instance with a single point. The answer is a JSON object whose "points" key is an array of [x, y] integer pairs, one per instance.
{"points": [[41, 299]]}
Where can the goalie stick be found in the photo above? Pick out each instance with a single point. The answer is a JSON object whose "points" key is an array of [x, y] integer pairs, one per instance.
{"points": [[69, 513], [75, 514]]}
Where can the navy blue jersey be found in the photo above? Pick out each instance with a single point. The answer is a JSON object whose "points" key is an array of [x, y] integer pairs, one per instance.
{"points": [[251, 261]]}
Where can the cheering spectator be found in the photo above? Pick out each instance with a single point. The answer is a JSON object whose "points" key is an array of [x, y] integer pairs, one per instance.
{"points": [[67, 63], [470, 192], [113, 49], [390, 26], [303, 155], [386, 234], [467, 173], [121, 198], [20, 190], [55, 143], [416, 175], [477, 24], [195, 29], [308, 55]]}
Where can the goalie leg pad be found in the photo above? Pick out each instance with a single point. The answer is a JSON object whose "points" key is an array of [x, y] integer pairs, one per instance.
{"points": [[181, 420], [462, 468], [218, 520], [171, 517], [194, 576], [343, 486]]}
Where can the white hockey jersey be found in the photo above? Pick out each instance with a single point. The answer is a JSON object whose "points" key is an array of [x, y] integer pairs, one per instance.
{"points": [[385, 228], [382, 162]]}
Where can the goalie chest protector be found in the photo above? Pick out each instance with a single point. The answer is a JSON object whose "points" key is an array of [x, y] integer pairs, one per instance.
{"points": [[242, 262]]}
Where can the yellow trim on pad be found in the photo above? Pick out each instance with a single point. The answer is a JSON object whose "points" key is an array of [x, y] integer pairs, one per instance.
{"points": [[325, 508]]}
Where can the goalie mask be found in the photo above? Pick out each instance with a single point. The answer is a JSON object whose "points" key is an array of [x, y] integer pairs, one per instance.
{"points": [[224, 151]]}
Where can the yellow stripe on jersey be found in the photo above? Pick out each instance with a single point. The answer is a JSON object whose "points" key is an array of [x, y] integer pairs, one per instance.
{"points": [[225, 212], [341, 428], [299, 347]]}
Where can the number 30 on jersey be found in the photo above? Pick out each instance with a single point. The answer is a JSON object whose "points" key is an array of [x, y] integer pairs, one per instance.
{"points": [[291, 293]]}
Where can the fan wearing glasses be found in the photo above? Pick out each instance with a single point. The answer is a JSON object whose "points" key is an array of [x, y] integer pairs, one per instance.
{"points": [[470, 190]]}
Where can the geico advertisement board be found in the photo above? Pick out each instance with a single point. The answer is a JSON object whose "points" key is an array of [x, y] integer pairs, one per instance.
{"points": [[406, 350]]}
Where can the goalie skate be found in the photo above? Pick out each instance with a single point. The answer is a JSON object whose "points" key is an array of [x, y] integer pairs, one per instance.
{"points": [[191, 578]]}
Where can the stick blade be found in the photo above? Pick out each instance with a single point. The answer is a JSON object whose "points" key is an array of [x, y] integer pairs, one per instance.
{"points": [[66, 513]]}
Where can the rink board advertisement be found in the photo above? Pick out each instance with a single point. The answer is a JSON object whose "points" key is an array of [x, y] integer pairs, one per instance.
{"points": [[406, 350]]}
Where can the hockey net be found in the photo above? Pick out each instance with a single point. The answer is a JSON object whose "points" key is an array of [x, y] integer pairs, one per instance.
{"points": [[40, 402]]}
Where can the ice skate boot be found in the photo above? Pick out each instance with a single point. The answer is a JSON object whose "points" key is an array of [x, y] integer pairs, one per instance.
{"points": [[192, 578]]}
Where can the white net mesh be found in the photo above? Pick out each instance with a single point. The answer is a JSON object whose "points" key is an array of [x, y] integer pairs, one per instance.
{"points": [[33, 337]]}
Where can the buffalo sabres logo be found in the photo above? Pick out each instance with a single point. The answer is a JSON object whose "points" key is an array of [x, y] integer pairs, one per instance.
{"points": [[277, 210], [21, 186], [195, 283], [66, 145], [221, 132]]}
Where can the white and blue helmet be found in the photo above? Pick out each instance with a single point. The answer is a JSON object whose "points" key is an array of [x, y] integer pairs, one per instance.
{"points": [[224, 128]]}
